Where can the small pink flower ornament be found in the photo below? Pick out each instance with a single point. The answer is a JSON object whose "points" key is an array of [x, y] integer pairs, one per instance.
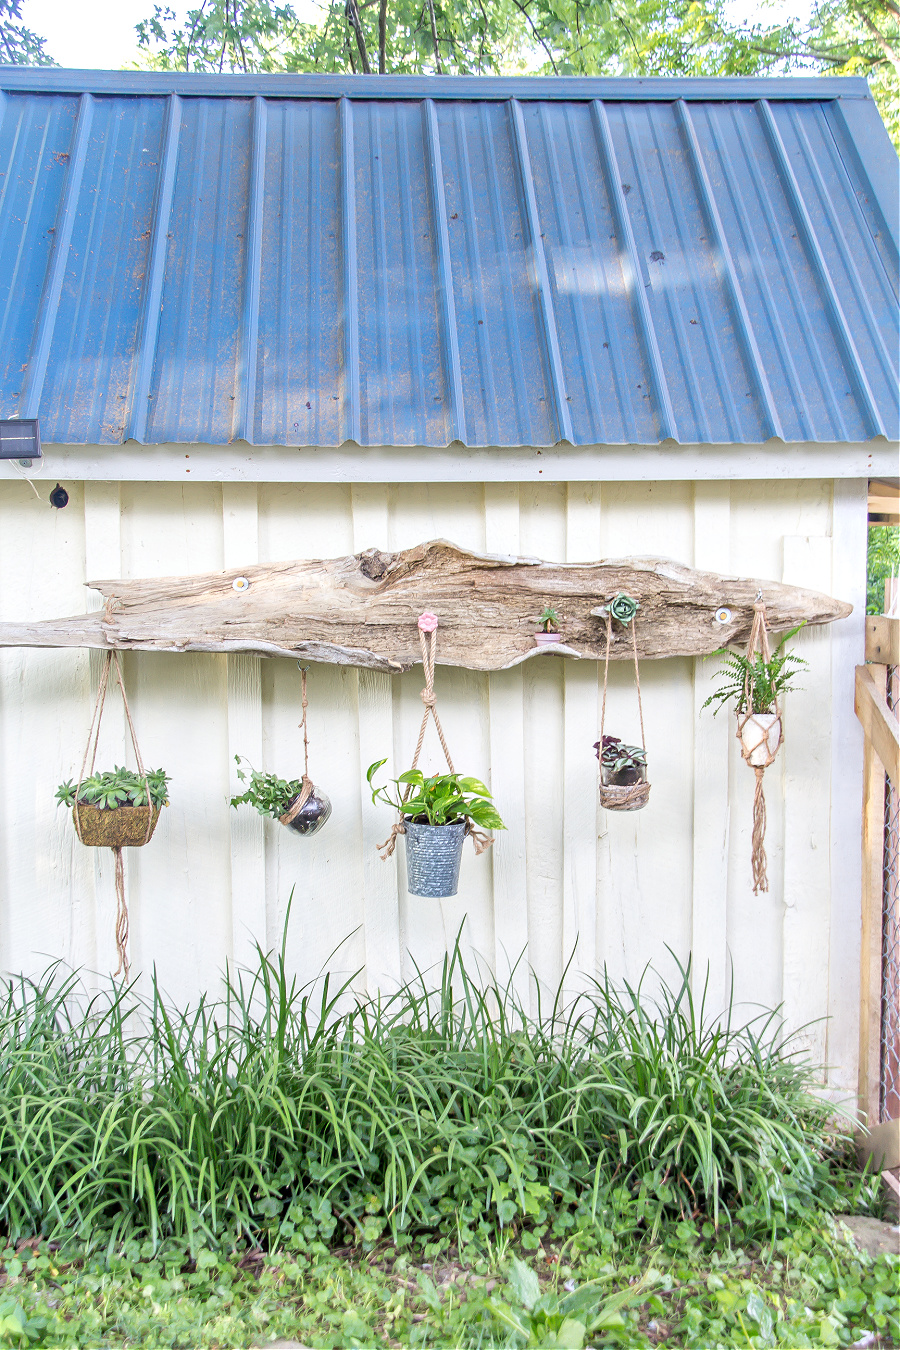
{"points": [[427, 622]]}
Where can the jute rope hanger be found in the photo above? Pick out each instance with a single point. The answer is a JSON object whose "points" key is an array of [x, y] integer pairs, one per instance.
{"points": [[761, 752], [112, 658], [632, 795], [427, 626], [307, 786]]}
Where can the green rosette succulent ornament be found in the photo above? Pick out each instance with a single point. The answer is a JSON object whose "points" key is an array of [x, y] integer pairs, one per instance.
{"points": [[623, 608]]}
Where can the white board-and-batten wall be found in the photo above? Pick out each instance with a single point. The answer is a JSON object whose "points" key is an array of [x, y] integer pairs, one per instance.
{"points": [[566, 879]]}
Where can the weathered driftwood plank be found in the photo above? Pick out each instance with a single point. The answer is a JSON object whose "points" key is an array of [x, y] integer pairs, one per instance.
{"points": [[362, 610]]}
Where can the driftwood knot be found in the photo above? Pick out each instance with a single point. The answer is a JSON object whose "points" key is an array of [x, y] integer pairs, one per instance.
{"points": [[373, 564]]}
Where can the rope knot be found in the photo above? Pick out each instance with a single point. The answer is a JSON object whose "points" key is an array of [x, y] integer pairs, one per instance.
{"points": [[391, 842], [428, 698]]}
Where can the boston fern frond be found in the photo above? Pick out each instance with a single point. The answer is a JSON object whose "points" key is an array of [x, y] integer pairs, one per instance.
{"points": [[753, 684]]}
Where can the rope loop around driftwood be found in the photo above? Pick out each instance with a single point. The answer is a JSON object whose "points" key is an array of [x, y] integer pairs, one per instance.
{"points": [[90, 753], [631, 796], [759, 751], [427, 625]]}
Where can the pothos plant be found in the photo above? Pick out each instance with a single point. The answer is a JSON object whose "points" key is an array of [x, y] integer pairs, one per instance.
{"points": [[267, 792], [119, 787], [440, 799], [754, 684]]}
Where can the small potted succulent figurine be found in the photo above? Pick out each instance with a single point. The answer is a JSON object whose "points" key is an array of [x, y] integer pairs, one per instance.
{"points": [[436, 815], [116, 809], [296, 804], [549, 629], [755, 685]]}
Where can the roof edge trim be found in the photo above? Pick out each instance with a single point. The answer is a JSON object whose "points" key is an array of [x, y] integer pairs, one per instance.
{"points": [[56, 80]]}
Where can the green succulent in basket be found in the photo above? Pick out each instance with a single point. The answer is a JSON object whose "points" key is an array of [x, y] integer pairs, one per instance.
{"points": [[438, 800], [121, 787]]}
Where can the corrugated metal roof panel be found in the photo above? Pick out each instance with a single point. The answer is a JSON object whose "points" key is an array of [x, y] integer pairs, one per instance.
{"points": [[201, 266]]}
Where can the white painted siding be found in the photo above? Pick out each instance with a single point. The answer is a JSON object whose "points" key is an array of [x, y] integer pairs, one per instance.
{"points": [[615, 888]]}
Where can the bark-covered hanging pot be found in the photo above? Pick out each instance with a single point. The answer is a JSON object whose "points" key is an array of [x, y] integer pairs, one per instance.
{"points": [[119, 827]]}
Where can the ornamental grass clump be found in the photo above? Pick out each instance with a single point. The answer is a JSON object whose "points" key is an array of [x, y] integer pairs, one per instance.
{"points": [[281, 1115]]}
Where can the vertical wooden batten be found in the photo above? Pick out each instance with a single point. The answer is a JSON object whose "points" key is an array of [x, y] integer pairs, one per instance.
{"points": [[240, 547], [375, 706], [712, 740], [849, 542], [103, 558], [580, 775], [806, 805], [507, 718]]}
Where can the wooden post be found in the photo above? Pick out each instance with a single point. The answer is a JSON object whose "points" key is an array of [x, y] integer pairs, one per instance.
{"points": [[872, 896]]}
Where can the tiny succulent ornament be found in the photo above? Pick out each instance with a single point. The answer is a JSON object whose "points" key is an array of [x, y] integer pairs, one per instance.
{"points": [[549, 627], [622, 607]]}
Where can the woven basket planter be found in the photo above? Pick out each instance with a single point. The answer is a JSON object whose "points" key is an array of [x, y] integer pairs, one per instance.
{"points": [[122, 827], [623, 796]]}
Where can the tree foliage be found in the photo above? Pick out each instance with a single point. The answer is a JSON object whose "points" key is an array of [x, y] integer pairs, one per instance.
{"points": [[562, 37], [18, 45]]}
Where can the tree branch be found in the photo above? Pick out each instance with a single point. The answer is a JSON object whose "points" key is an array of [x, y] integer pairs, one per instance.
{"points": [[382, 37], [434, 38], [537, 34], [356, 24]]}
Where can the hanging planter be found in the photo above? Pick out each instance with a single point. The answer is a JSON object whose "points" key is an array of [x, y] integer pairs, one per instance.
{"points": [[756, 682], [436, 813], [623, 768], [117, 809], [549, 633], [295, 803]]}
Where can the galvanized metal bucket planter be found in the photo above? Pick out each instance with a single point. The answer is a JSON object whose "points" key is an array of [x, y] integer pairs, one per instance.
{"points": [[433, 854], [118, 827]]}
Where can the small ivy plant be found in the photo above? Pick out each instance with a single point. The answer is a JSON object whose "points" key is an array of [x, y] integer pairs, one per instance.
{"points": [[121, 787], [270, 794], [754, 684], [549, 620], [615, 756], [438, 800]]}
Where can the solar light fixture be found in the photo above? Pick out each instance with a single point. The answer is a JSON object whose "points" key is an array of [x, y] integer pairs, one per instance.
{"points": [[20, 439]]}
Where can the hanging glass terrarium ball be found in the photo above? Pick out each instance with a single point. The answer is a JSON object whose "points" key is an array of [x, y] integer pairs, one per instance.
{"points": [[312, 815]]}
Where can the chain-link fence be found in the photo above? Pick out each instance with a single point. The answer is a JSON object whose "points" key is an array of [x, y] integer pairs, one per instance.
{"points": [[889, 1078]]}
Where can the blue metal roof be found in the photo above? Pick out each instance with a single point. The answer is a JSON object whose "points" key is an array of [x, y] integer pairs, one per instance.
{"points": [[306, 260]]}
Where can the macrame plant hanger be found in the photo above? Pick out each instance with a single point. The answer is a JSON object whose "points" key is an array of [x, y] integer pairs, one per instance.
{"points": [[760, 736], [110, 828], [427, 625], [632, 796]]}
